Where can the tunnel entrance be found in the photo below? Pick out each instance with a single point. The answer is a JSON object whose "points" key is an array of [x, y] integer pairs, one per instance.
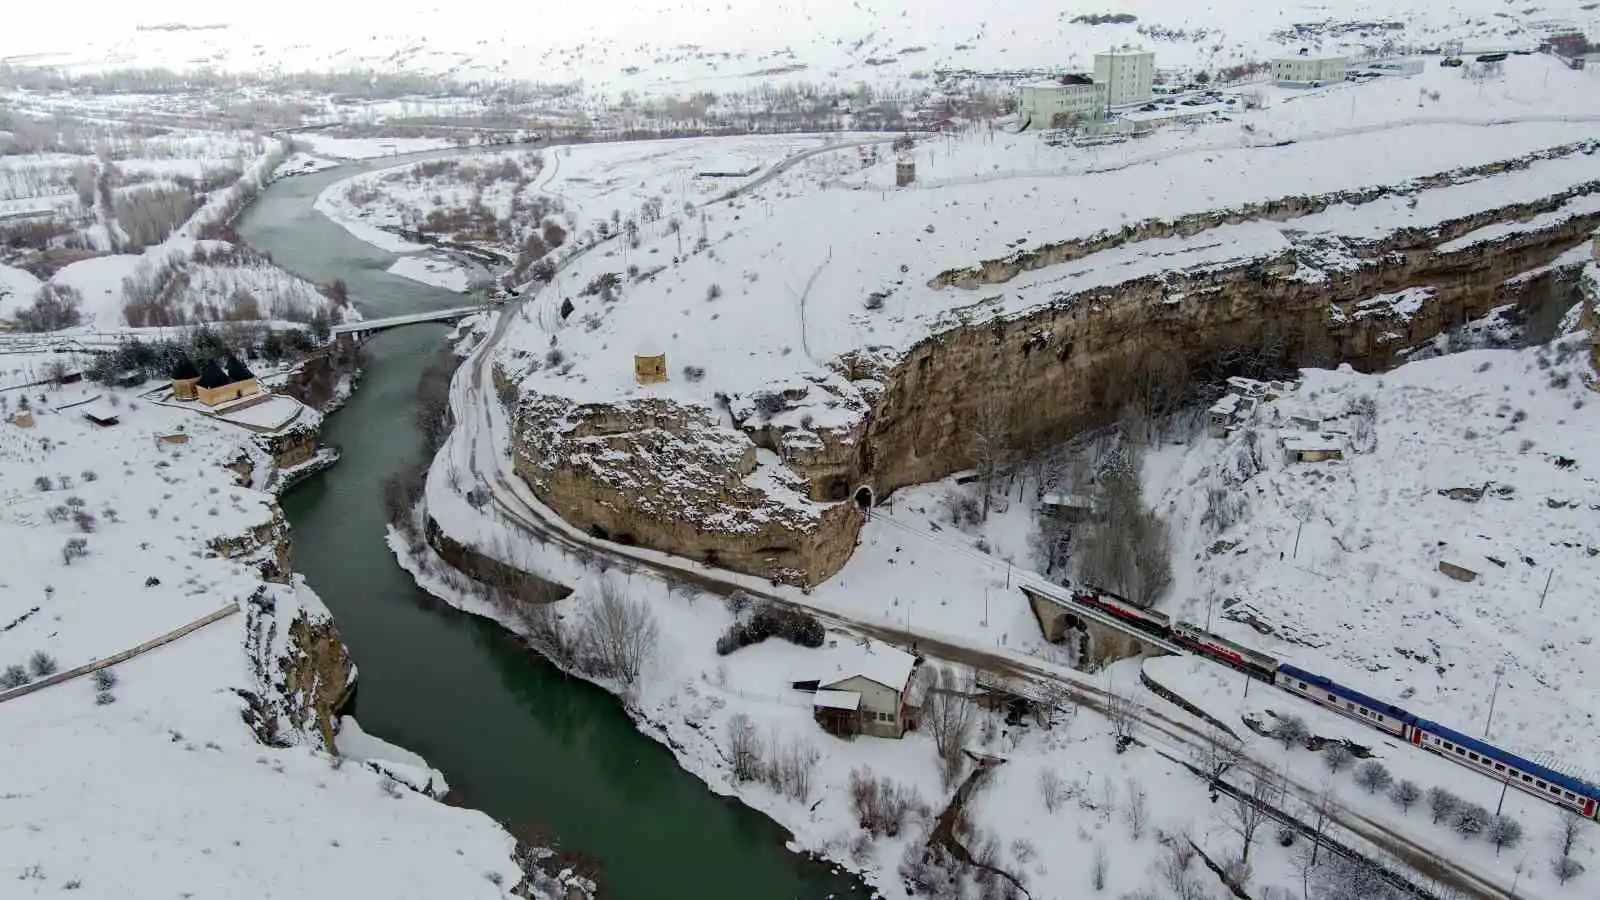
{"points": [[864, 498]]}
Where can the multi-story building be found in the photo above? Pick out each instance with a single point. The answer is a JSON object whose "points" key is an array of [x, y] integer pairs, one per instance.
{"points": [[1127, 75], [1306, 69], [1060, 102]]}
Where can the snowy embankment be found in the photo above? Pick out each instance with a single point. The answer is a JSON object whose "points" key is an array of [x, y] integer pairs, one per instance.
{"points": [[108, 538]]}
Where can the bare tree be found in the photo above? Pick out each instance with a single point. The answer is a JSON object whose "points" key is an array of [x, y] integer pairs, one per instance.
{"points": [[1128, 548], [1337, 756], [1406, 794], [1052, 790], [1138, 811], [1220, 752], [1290, 730], [948, 714], [1373, 776], [989, 447], [1122, 712], [1099, 867], [1249, 810], [744, 748], [1442, 804], [1321, 812], [619, 634], [1568, 832], [1504, 832]]}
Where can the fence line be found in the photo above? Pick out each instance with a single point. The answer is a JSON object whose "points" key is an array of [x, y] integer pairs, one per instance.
{"points": [[124, 656]]}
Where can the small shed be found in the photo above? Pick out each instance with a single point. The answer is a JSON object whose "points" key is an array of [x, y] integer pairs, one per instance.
{"points": [[1308, 446], [905, 172], [650, 362], [1074, 508], [1220, 417], [1457, 571], [838, 712], [23, 420], [100, 413]]}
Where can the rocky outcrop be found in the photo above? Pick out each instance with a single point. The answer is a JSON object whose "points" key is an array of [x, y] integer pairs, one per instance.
{"points": [[322, 380], [267, 547], [1077, 362], [668, 475], [304, 675]]}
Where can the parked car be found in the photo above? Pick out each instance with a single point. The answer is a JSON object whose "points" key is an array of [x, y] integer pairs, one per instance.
{"points": [[1452, 61]]}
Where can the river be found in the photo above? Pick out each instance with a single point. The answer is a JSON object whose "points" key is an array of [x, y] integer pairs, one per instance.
{"points": [[514, 737]]}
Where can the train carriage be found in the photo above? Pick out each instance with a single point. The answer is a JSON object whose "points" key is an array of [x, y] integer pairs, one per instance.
{"points": [[1379, 714], [1541, 781]]}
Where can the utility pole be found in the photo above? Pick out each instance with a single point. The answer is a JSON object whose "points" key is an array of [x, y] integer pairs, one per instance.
{"points": [[1297, 531], [1499, 670]]}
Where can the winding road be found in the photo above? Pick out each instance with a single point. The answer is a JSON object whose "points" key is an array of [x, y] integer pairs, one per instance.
{"points": [[483, 436]]}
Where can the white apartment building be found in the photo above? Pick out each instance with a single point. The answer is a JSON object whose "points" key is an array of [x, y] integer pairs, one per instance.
{"points": [[1127, 75], [1071, 98], [1307, 69]]}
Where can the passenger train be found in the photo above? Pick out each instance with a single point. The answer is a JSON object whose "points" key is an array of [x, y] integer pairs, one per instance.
{"points": [[1553, 786]]}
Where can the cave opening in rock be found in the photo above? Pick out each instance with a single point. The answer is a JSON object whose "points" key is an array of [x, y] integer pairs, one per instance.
{"points": [[864, 498]]}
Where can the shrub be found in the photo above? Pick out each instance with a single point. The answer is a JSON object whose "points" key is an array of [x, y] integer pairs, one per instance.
{"points": [[75, 548], [43, 483], [104, 698], [1566, 868], [555, 357], [744, 748], [713, 292], [85, 521], [105, 679], [1373, 776], [13, 677], [693, 373], [882, 806], [769, 620], [42, 664]]}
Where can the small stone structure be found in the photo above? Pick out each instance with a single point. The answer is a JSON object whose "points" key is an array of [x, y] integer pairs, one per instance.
{"points": [[650, 363], [905, 172]]}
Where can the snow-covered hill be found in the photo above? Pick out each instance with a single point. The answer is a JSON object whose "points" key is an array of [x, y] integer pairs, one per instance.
{"points": [[683, 46], [1484, 460]]}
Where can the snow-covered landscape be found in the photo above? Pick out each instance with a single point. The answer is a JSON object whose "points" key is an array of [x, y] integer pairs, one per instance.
{"points": [[888, 449]]}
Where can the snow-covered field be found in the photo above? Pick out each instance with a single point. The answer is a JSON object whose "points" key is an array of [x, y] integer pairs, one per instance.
{"points": [[677, 47], [155, 783], [431, 270]]}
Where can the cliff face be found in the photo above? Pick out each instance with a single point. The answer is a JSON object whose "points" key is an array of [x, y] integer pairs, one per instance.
{"points": [[666, 475], [686, 479], [1081, 361]]}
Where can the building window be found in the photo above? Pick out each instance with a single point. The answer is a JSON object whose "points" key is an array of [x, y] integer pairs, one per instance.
{"points": [[1499, 767]]}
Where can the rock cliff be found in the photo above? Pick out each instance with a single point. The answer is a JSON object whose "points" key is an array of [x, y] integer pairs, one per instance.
{"points": [[749, 485]]}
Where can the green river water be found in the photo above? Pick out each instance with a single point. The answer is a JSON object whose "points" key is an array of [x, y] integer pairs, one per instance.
{"points": [[514, 737]]}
